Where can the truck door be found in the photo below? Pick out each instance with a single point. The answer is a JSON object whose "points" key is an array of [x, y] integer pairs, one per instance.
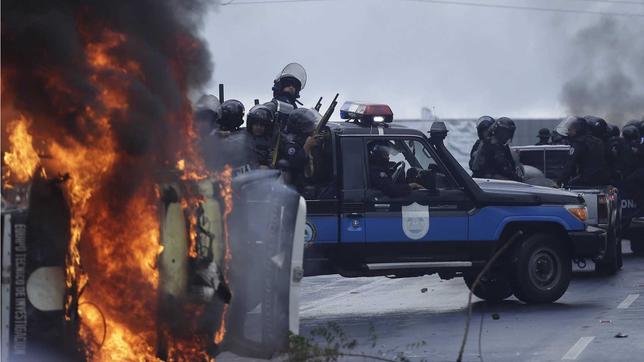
{"points": [[437, 213], [352, 207]]}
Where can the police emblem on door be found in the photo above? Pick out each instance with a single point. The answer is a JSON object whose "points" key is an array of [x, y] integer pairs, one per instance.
{"points": [[415, 221], [309, 232]]}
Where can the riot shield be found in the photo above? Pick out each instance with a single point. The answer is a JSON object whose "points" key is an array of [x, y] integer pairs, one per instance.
{"points": [[267, 238], [294, 70]]}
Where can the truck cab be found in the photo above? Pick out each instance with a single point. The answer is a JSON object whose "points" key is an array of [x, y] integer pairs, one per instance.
{"points": [[452, 226]]}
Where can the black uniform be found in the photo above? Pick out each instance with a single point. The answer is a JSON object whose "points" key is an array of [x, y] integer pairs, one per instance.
{"points": [[262, 148], [380, 177], [586, 165], [262, 145], [483, 124], [494, 160], [293, 159], [618, 152]]}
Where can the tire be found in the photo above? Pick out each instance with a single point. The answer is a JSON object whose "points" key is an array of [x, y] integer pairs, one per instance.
{"points": [[613, 261], [542, 269], [491, 288]]}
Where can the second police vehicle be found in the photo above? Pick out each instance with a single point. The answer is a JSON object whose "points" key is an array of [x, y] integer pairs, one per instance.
{"points": [[452, 226]]}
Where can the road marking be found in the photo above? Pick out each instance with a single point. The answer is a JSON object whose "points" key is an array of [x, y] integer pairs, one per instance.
{"points": [[579, 347], [628, 301]]}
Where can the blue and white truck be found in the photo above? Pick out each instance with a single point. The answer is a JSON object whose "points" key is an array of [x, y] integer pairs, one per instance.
{"points": [[451, 227]]}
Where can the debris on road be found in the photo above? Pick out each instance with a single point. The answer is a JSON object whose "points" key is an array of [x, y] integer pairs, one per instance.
{"points": [[621, 335], [424, 290]]}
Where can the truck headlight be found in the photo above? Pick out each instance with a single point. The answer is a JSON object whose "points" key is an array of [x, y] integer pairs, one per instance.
{"points": [[578, 211]]}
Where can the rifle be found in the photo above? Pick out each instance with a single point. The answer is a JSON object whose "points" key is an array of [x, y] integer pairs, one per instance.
{"points": [[318, 105], [318, 129], [327, 114]]}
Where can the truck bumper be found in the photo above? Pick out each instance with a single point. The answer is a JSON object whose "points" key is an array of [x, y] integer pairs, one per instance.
{"points": [[588, 243]]}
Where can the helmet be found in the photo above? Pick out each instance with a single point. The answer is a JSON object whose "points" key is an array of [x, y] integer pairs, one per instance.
{"points": [[556, 138], [292, 74], [482, 125], [613, 130], [302, 121], [544, 133], [503, 129], [232, 115], [259, 114], [379, 152], [577, 127], [208, 109], [631, 133], [598, 126], [632, 122]]}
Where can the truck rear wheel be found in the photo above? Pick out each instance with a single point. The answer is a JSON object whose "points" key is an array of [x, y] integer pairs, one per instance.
{"points": [[492, 287], [542, 269]]}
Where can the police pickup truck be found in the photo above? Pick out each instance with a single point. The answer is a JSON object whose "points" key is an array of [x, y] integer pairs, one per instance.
{"points": [[452, 226], [543, 164], [608, 207]]}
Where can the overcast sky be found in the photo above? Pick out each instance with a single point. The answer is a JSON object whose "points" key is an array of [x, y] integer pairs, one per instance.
{"points": [[463, 61]]}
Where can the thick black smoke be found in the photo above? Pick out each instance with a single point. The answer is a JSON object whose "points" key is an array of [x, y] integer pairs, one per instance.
{"points": [[606, 65], [47, 74], [44, 38]]}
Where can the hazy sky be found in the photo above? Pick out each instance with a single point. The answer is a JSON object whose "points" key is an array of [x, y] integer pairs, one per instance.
{"points": [[463, 61]]}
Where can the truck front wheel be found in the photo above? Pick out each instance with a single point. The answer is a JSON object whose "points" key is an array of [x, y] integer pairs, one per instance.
{"points": [[492, 287], [542, 269]]}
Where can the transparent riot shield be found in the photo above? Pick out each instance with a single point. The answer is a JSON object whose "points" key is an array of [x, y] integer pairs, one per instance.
{"points": [[294, 70], [267, 238]]}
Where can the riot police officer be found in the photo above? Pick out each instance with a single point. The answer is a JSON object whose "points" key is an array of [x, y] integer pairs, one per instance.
{"points": [[232, 115], [617, 149], [483, 124], [259, 124], [599, 129], [586, 165], [219, 142], [286, 90], [207, 114], [381, 171], [557, 139], [634, 174], [294, 152], [632, 145], [495, 157], [544, 137]]}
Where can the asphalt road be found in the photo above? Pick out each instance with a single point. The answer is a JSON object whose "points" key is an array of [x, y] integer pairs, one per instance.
{"points": [[424, 318]]}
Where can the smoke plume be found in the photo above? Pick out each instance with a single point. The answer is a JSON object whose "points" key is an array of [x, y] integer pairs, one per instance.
{"points": [[102, 87], [606, 65]]}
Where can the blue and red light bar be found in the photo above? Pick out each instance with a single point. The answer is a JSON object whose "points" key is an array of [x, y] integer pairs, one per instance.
{"points": [[366, 112]]}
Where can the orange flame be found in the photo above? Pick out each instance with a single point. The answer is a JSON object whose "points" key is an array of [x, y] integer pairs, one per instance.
{"points": [[22, 160], [111, 262], [226, 193]]}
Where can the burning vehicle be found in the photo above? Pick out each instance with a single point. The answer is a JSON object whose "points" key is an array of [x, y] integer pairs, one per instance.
{"points": [[118, 242]]}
